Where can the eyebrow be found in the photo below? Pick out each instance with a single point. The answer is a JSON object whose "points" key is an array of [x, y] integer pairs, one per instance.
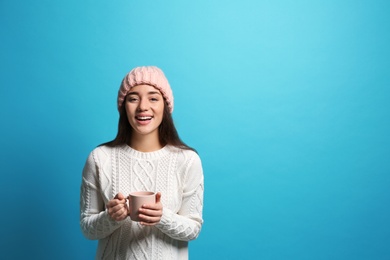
{"points": [[149, 93]]}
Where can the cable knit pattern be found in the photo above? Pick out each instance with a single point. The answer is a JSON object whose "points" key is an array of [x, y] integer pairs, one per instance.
{"points": [[174, 172]]}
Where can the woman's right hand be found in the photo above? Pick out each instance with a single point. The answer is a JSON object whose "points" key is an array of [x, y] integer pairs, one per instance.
{"points": [[117, 207]]}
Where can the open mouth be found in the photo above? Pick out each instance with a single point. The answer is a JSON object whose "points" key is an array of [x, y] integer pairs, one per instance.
{"points": [[144, 118]]}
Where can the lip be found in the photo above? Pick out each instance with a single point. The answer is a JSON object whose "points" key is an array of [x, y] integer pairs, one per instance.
{"points": [[143, 119], [143, 116]]}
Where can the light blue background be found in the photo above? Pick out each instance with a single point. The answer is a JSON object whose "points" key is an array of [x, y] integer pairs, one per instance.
{"points": [[287, 103]]}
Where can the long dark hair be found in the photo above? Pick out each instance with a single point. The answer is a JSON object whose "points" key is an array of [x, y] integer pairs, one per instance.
{"points": [[167, 131]]}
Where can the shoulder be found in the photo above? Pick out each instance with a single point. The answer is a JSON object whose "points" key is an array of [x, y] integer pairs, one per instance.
{"points": [[101, 153], [185, 152], [102, 150], [190, 165], [186, 156]]}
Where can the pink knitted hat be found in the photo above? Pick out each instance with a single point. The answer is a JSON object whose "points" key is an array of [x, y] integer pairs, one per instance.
{"points": [[149, 75]]}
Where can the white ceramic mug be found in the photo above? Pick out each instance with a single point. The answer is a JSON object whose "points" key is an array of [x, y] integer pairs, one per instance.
{"points": [[139, 198]]}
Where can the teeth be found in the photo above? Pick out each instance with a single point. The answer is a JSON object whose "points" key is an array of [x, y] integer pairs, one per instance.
{"points": [[144, 117]]}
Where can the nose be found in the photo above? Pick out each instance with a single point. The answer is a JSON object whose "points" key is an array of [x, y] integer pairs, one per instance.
{"points": [[143, 105]]}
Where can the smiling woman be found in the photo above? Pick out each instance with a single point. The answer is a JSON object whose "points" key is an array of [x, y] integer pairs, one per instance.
{"points": [[146, 155], [145, 108]]}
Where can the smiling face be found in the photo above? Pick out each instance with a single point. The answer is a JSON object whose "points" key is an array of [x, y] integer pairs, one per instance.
{"points": [[145, 109]]}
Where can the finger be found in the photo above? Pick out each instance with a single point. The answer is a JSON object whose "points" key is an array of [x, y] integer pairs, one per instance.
{"points": [[115, 202], [148, 221], [112, 203], [122, 216], [120, 196], [119, 214], [151, 212], [113, 212], [117, 208], [158, 197], [157, 206]]}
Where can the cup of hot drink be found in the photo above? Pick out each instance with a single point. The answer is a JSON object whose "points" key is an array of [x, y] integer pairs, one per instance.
{"points": [[139, 198]]}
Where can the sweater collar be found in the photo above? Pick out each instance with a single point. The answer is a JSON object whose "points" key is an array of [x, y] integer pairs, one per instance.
{"points": [[146, 155]]}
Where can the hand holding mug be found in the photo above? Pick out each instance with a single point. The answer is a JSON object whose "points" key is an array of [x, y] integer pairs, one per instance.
{"points": [[146, 207], [117, 207]]}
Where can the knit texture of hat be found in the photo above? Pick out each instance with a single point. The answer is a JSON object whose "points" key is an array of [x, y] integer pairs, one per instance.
{"points": [[149, 75]]}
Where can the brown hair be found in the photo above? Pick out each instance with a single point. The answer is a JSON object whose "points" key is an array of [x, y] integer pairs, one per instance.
{"points": [[167, 131]]}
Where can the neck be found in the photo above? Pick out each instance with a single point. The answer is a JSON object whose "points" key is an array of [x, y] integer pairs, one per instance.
{"points": [[145, 143]]}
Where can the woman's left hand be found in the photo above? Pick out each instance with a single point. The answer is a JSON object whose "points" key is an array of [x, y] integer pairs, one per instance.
{"points": [[150, 214]]}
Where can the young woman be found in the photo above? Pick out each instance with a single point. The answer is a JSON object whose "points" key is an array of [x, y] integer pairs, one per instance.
{"points": [[146, 155]]}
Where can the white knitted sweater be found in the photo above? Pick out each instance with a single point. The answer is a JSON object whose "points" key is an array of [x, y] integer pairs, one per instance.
{"points": [[174, 172]]}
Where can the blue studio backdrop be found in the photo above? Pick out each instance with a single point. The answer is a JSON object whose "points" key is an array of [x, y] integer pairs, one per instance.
{"points": [[287, 103]]}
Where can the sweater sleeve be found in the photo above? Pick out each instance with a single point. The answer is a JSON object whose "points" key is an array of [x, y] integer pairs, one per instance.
{"points": [[95, 221], [186, 224]]}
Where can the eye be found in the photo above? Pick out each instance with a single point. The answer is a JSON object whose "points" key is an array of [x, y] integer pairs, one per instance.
{"points": [[154, 99], [132, 99]]}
